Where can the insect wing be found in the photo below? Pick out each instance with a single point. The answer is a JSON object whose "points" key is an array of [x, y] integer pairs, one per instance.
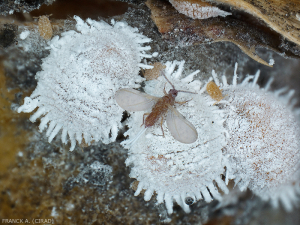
{"points": [[181, 129], [133, 100]]}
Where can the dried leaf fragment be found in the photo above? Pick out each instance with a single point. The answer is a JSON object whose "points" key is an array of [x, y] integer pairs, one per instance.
{"points": [[282, 16], [214, 91], [45, 28], [151, 74]]}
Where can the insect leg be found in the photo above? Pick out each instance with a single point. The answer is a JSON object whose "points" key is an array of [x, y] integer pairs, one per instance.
{"points": [[163, 73], [145, 114], [165, 89], [161, 122]]}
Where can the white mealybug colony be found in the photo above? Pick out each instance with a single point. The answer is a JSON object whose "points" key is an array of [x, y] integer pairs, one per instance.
{"points": [[239, 131], [176, 171], [198, 9], [263, 150], [245, 133], [78, 81]]}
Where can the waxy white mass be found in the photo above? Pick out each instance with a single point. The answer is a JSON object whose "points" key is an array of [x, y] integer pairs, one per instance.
{"points": [[78, 81], [263, 149], [176, 171]]}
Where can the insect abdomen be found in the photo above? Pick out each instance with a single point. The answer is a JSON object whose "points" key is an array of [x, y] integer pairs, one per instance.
{"points": [[159, 109]]}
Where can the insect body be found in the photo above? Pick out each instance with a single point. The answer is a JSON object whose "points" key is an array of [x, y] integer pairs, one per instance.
{"points": [[133, 100], [160, 108]]}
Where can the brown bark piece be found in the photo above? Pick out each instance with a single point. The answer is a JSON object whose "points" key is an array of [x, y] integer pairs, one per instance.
{"points": [[281, 15], [182, 30]]}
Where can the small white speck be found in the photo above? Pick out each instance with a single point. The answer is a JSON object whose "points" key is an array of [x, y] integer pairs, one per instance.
{"points": [[20, 154], [271, 62], [53, 212], [24, 34], [298, 16], [70, 206], [155, 54], [99, 166], [168, 220], [11, 12]]}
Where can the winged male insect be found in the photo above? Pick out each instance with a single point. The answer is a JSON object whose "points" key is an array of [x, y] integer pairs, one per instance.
{"points": [[180, 128]]}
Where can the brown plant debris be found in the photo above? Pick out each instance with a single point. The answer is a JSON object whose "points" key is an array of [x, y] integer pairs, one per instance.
{"points": [[281, 15], [183, 31], [155, 72], [45, 28]]}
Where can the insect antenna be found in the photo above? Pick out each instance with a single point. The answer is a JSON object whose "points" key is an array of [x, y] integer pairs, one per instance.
{"points": [[163, 73], [188, 92]]}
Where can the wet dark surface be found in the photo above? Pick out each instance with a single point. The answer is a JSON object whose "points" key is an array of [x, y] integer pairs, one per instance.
{"points": [[64, 9], [8, 6], [7, 35]]}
